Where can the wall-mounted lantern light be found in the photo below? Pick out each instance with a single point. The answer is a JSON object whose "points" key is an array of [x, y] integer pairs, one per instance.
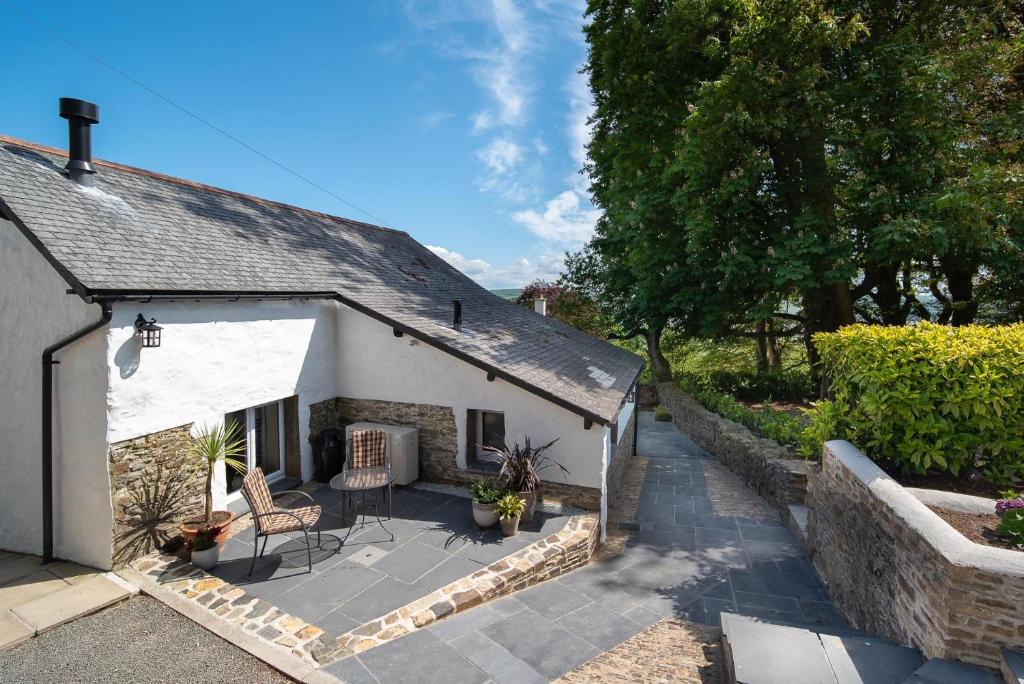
{"points": [[148, 331]]}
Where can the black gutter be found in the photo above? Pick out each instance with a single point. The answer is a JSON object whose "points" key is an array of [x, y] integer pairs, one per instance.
{"points": [[48, 364]]}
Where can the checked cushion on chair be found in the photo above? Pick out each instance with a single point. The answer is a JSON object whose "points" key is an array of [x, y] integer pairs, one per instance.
{"points": [[256, 492]]}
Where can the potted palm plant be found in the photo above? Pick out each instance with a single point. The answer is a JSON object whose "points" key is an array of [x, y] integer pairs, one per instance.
{"points": [[521, 469], [509, 508], [211, 445], [485, 496]]}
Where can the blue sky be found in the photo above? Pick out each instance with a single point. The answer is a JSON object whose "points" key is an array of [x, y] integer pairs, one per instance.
{"points": [[461, 122]]}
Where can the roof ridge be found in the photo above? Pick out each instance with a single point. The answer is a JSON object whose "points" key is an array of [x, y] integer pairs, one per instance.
{"points": [[38, 147]]}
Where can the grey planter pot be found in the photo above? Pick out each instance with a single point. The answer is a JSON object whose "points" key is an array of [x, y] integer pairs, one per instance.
{"points": [[207, 558], [484, 515]]}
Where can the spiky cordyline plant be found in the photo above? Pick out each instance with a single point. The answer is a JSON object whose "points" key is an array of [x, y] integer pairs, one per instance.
{"points": [[217, 443], [521, 468]]}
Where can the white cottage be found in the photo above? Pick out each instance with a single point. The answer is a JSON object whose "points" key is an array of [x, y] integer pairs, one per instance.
{"points": [[287, 320]]}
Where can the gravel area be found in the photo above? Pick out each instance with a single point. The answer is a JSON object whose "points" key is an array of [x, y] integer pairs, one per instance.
{"points": [[139, 640], [980, 528]]}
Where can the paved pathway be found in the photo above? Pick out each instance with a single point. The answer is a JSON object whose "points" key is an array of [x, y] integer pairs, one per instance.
{"points": [[682, 559]]}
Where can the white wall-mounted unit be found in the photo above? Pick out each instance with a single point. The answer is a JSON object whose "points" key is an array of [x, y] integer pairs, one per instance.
{"points": [[403, 447]]}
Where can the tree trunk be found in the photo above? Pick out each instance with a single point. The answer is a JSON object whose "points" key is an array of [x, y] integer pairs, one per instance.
{"points": [[761, 331], [772, 354], [960, 281], [209, 494], [660, 368], [827, 309]]}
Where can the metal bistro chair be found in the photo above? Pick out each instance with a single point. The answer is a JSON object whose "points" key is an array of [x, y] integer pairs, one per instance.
{"points": [[367, 469], [268, 519]]}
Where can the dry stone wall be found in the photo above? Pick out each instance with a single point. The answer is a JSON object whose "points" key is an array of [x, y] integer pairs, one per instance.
{"points": [[896, 569], [154, 486], [766, 466]]}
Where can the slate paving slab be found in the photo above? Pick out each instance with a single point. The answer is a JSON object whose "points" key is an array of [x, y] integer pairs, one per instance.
{"points": [[680, 561]]}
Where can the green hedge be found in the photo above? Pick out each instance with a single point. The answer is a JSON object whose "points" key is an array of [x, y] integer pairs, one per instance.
{"points": [[926, 397], [783, 427]]}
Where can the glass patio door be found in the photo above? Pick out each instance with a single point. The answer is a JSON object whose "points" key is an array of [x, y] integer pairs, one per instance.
{"points": [[262, 428]]}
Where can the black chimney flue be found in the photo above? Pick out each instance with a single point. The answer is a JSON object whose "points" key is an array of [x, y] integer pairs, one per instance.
{"points": [[457, 322], [80, 115]]}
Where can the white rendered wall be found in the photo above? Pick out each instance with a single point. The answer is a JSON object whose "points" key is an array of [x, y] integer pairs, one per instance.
{"points": [[218, 357], [35, 311], [374, 364], [608, 450]]}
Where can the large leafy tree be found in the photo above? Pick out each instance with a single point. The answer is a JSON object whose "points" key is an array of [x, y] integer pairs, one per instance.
{"points": [[860, 157]]}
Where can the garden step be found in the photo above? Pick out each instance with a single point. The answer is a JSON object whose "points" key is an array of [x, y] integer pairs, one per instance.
{"points": [[1012, 666], [797, 520], [944, 671], [758, 651]]}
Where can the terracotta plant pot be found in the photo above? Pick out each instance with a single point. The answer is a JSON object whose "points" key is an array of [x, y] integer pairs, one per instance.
{"points": [[484, 515], [510, 526], [207, 558], [221, 521], [530, 498]]}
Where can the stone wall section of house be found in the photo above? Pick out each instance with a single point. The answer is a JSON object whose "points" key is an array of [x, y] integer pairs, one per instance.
{"points": [[895, 569], [765, 465], [438, 442], [154, 486], [436, 424]]}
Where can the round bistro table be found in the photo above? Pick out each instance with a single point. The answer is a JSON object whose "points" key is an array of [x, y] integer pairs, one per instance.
{"points": [[361, 481]]}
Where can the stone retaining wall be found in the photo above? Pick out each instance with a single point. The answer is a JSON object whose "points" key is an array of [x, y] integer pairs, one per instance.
{"points": [[768, 467], [896, 569], [154, 486], [438, 442]]}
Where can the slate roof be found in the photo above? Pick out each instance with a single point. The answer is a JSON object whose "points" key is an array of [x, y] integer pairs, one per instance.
{"points": [[139, 232]]}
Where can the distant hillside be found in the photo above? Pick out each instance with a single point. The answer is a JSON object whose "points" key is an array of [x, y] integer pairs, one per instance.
{"points": [[509, 293]]}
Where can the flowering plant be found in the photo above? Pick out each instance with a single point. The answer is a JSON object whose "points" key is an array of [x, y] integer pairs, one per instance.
{"points": [[1011, 523]]}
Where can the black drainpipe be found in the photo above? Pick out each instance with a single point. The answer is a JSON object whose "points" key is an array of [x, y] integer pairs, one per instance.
{"points": [[48, 364]]}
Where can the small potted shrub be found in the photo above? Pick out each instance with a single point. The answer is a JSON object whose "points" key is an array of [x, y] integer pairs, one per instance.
{"points": [[521, 469], [510, 507], [211, 445], [205, 549], [485, 496]]}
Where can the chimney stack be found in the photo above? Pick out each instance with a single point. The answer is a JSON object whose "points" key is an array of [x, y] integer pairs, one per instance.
{"points": [[540, 305], [80, 115], [457, 317]]}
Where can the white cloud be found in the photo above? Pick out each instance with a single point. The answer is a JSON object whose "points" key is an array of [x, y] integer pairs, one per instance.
{"points": [[501, 155], [516, 274], [565, 220], [471, 267], [539, 145], [432, 120], [581, 108]]}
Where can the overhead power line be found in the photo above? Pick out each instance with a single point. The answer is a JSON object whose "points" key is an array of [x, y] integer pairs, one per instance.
{"points": [[99, 60]]}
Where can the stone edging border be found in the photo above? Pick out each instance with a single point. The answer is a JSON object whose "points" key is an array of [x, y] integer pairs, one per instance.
{"points": [[276, 637], [569, 548], [160, 574]]}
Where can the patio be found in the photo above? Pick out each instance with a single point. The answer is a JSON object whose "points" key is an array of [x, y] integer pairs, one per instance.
{"points": [[435, 543]]}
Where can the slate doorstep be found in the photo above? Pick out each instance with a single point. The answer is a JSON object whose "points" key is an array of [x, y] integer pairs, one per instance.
{"points": [[56, 608], [763, 652]]}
